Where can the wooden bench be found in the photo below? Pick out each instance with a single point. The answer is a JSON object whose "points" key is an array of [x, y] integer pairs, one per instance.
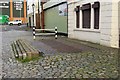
{"points": [[22, 49]]}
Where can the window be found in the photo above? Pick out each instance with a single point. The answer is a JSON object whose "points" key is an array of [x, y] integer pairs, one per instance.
{"points": [[96, 18], [96, 7], [15, 20], [86, 12], [77, 9]]}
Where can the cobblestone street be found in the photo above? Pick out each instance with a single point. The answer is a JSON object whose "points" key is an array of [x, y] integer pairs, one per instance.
{"points": [[63, 58], [0, 52]]}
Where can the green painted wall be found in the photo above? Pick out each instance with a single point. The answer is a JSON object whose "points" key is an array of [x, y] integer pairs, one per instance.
{"points": [[53, 19]]}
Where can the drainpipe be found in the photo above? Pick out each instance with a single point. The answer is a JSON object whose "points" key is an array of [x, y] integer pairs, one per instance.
{"points": [[25, 11], [39, 13], [11, 10], [42, 15]]}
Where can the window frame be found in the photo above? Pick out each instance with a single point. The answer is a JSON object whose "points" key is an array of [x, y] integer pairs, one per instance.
{"points": [[96, 7], [77, 9]]}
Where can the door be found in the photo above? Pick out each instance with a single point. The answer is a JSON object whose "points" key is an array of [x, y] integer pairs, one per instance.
{"points": [[30, 21], [37, 20]]}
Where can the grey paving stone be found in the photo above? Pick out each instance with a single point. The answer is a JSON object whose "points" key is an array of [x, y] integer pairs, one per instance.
{"points": [[92, 62]]}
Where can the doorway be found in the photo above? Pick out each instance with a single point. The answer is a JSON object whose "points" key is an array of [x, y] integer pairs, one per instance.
{"points": [[37, 21], [29, 21]]}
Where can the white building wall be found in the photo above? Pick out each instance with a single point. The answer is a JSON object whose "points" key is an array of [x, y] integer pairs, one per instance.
{"points": [[71, 21], [108, 32], [30, 11], [105, 23], [119, 19], [115, 26], [82, 34], [29, 5]]}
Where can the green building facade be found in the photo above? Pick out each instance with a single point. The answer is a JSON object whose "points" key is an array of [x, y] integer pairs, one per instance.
{"points": [[56, 16]]}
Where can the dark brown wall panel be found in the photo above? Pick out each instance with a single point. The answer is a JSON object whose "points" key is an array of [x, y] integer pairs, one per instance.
{"points": [[96, 7], [77, 17], [96, 18], [86, 18]]}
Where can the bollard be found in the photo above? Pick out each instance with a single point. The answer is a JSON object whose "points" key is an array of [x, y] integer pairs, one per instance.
{"points": [[55, 32], [27, 24], [33, 32]]}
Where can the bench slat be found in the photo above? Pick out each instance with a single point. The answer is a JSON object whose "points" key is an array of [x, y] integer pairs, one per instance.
{"points": [[32, 49], [27, 49], [14, 50], [18, 50], [21, 49]]}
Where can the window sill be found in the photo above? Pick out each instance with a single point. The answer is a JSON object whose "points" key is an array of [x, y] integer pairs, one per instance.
{"points": [[88, 30]]}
